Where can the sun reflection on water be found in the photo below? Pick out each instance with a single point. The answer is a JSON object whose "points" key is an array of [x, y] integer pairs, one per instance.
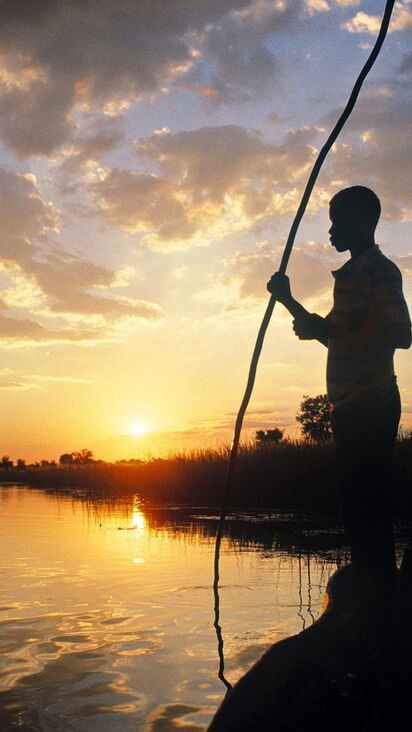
{"points": [[138, 520], [107, 611]]}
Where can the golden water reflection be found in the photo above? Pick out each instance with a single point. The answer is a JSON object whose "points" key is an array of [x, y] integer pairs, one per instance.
{"points": [[138, 519], [106, 608]]}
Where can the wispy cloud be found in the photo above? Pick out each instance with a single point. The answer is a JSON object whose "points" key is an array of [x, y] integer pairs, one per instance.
{"points": [[44, 280], [11, 379]]}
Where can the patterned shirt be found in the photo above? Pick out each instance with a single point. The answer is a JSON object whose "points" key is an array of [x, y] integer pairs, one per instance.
{"points": [[367, 293]]}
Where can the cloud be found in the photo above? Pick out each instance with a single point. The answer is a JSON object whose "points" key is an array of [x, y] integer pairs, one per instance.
{"points": [[140, 202], [204, 181], [25, 331], [406, 64], [317, 6], [59, 58], [9, 380], [238, 65], [309, 271], [375, 149], [24, 382], [209, 160], [275, 118], [88, 146], [364, 23], [66, 279], [263, 418], [404, 262], [62, 62], [24, 215], [242, 284], [45, 280], [36, 120], [347, 3], [61, 379]]}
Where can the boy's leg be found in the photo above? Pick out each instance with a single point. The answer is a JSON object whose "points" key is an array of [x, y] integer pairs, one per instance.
{"points": [[365, 437]]}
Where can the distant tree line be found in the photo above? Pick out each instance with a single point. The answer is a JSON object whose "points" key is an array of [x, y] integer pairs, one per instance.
{"points": [[313, 416], [79, 458]]}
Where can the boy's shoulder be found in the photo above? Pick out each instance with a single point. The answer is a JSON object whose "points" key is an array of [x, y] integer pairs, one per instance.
{"points": [[382, 267]]}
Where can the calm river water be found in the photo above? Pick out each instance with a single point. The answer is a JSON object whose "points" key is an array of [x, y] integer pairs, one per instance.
{"points": [[106, 612]]}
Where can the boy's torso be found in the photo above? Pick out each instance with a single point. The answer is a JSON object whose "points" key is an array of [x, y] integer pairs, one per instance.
{"points": [[359, 365]]}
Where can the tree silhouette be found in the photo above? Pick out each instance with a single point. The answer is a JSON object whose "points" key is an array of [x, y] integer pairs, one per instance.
{"points": [[314, 416], [6, 463], [48, 464], [66, 458], [83, 457], [266, 436]]}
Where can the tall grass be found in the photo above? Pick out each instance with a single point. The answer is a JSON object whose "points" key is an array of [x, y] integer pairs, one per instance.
{"points": [[289, 475]]}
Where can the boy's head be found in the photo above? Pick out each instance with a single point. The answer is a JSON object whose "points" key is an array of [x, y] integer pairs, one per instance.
{"points": [[354, 213]]}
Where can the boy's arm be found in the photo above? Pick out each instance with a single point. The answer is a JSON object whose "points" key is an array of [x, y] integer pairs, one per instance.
{"points": [[385, 325], [393, 326], [396, 335], [391, 329], [307, 326]]}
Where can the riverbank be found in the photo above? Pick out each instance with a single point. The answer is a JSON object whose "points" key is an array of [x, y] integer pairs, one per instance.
{"points": [[289, 475]]}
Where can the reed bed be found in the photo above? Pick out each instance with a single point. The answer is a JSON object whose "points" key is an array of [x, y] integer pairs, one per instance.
{"points": [[290, 475]]}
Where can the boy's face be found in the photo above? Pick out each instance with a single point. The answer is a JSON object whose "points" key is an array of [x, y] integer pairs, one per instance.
{"points": [[347, 229], [340, 233]]}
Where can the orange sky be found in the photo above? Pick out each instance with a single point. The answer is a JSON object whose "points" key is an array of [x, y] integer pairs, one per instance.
{"points": [[151, 165]]}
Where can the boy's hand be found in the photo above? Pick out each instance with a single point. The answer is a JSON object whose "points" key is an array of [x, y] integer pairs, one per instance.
{"points": [[279, 286]]}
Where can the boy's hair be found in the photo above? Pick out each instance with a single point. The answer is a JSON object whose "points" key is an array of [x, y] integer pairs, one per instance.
{"points": [[362, 201]]}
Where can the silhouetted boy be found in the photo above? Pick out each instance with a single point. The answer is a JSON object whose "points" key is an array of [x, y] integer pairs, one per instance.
{"points": [[368, 321]]}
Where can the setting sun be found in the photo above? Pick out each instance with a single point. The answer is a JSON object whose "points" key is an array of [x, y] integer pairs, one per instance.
{"points": [[138, 429]]}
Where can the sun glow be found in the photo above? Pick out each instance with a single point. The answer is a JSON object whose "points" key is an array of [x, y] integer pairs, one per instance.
{"points": [[138, 429]]}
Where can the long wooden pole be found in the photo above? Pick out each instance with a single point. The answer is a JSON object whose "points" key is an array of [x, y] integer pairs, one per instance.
{"points": [[268, 314]]}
